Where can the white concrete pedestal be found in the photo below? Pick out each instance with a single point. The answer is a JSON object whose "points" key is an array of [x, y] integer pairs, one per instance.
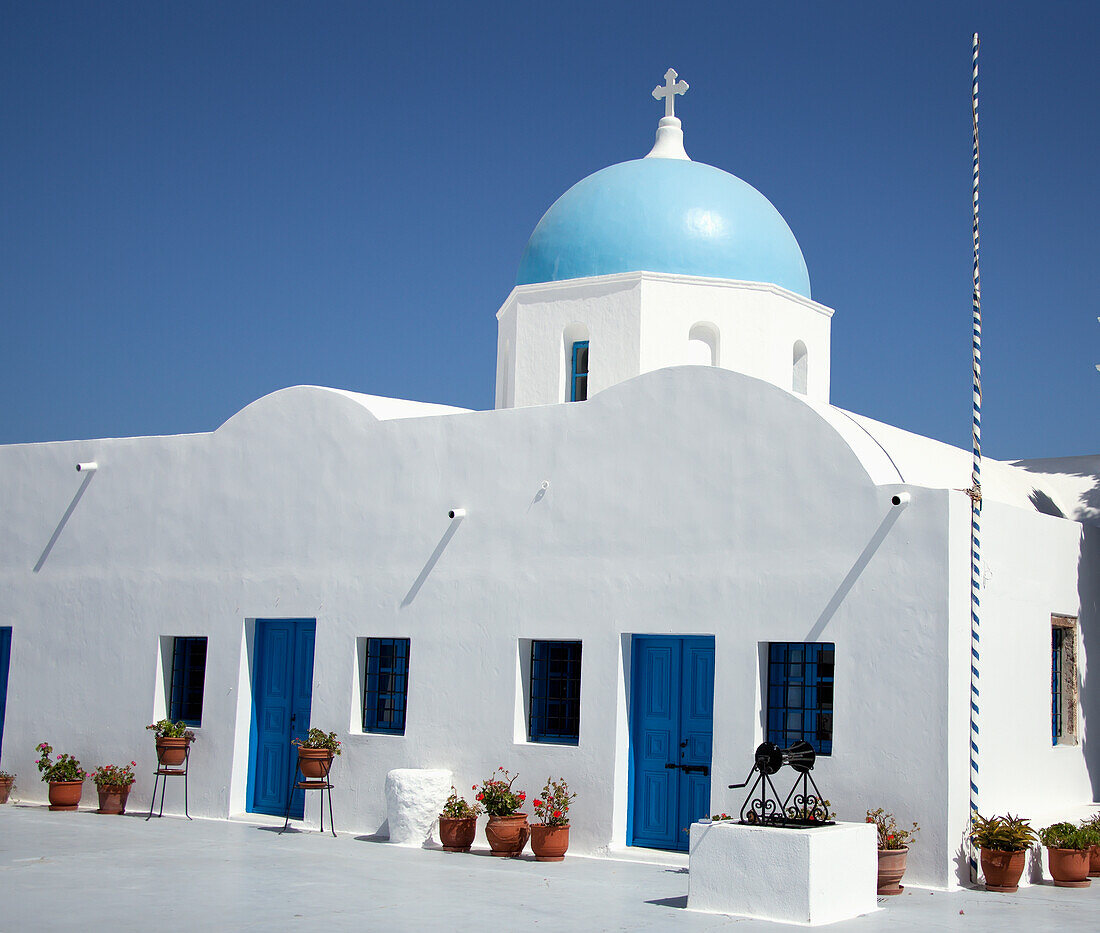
{"points": [[414, 797], [804, 876]]}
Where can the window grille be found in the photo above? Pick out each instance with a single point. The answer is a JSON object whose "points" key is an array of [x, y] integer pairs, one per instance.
{"points": [[579, 372], [555, 691], [188, 676], [386, 694], [1057, 637], [800, 694]]}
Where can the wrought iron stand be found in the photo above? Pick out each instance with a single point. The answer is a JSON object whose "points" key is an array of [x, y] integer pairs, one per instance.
{"points": [[167, 771], [322, 785]]}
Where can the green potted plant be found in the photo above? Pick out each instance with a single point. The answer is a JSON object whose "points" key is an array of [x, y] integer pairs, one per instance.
{"points": [[1094, 853], [550, 835], [64, 775], [893, 850], [1004, 841], [173, 738], [507, 831], [1068, 853], [113, 782], [6, 782], [458, 823], [316, 752]]}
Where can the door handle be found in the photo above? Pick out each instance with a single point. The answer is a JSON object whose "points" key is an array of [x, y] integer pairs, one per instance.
{"points": [[689, 769]]}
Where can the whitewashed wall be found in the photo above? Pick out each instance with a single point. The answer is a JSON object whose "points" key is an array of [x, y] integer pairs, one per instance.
{"points": [[641, 321], [690, 500]]}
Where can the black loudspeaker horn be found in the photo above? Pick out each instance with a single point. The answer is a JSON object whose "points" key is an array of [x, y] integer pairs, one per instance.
{"points": [[800, 756]]}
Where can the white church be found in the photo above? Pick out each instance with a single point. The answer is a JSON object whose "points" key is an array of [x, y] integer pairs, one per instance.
{"points": [[663, 546]]}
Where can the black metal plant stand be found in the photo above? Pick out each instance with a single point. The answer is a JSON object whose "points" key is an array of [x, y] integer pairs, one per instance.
{"points": [[166, 771], [322, 785]]}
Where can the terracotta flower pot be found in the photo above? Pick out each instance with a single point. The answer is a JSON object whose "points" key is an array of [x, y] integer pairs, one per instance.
{"points": [[457, 835], [5, 788], [891, 866], [1002, 870], [549, 842], [1069, 867], [315, 763], [65, 795], [112, 798], [171, 752], [1094, 860], [507, 835]]}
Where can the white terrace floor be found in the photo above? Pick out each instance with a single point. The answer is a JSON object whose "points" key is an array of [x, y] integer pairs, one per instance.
{"points": [[84, 872]]}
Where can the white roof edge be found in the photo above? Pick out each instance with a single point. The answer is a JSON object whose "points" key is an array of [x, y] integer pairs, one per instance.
{"points": [[535, 288], [392, 409]]}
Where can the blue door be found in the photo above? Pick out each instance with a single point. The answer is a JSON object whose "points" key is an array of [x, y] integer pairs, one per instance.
{"points": [[5, 656], [282, 690], [672, 722]]}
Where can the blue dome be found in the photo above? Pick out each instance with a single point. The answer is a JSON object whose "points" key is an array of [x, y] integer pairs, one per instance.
{"points": [[664, 215]]}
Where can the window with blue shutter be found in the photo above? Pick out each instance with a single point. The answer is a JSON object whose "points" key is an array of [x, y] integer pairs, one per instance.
{"points": [[188, 677], [800, 694], [385, 696], [555, 691], [578, 372]]}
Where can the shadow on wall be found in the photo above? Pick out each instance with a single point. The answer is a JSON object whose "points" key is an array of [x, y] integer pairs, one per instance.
{"points": [[64, 520], [1088, 589]]}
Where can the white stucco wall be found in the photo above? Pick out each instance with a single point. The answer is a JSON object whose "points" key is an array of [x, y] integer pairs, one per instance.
{"points": [[641, 321], [690, 500]]}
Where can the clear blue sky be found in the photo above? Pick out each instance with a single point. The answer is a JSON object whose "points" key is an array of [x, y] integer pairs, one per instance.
{"points": [[204, 202]]}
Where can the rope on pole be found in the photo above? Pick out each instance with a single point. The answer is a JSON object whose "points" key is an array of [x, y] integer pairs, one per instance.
{"points": [[975, 490]]}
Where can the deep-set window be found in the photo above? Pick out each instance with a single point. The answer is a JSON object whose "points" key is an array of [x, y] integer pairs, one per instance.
{"points": [[800, 694], [555, 691], [579, 372], [386, 693], [188, 676], [1063, 680]]}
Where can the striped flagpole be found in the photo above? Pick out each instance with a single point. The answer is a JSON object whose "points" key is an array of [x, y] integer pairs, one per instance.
{"points": [[975, 490]]}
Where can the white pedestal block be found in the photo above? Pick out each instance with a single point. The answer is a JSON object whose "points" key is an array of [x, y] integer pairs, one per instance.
{"points": [[414, 797], [804, 876]]}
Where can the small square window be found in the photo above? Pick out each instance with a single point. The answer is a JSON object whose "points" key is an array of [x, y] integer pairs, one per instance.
{"points": [[385, 694], [555, 691], [188, 678]]}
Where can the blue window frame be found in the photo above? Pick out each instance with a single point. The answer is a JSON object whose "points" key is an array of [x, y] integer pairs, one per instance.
{"points": [[578, 372], [188, 677], [800, 694], [555, 691], [386, 694], [1057, 638]]}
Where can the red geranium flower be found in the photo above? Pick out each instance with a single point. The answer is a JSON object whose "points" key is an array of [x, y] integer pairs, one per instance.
{"points": [[557, 814]]}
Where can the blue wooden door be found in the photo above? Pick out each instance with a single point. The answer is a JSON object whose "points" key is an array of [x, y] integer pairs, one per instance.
{"points": [[672, 721], [5, 656], [282, 691]]}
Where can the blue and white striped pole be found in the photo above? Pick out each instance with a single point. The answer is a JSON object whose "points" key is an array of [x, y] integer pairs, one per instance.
{"points": [[975, 490]]}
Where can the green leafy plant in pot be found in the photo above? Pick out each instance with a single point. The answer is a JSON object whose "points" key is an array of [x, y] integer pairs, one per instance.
{"points": [[1068, 848], [550, 835], [316, 753], [7, 781], [458, 823], [1004, 842], [893, 849], [64, 775], [1094, 853], [173, 741], [507, 831], [113, 783]]}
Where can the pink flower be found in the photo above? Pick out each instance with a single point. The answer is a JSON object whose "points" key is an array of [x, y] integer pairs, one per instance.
{"points": [[134, 763]]}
